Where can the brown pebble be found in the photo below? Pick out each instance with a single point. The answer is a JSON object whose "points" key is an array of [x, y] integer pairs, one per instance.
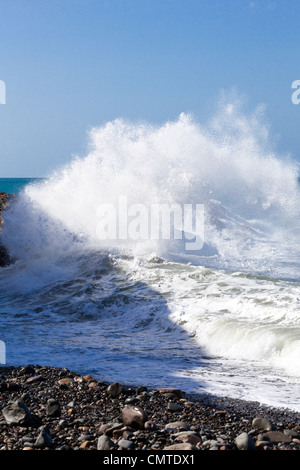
{"points": [[190, 438], [134, 416], [174, 391], [220, 412], [117, 433], [277, 436], [65, 381], [93, 384], [89, 378], [85, 444]]}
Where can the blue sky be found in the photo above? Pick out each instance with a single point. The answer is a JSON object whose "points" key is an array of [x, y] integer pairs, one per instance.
{"points": [[72, 64]]}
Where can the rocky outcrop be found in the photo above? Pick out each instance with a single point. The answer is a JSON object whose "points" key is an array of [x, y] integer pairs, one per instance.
{"points": [[4, 201]]}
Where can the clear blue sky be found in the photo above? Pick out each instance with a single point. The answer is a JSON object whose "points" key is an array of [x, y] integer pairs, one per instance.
{"points": [[72, 64]]}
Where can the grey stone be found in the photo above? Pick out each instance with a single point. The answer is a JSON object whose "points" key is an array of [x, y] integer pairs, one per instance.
{"points": [[44, 438], [177, 426], [53, 408], [262, 423], [17, 413], [244, 442], [125, 444], [114, 389], [104, 443], [174, 407]]}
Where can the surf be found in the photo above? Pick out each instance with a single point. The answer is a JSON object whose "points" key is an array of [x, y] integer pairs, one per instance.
{"points": [[223, 318], [249, 193]]}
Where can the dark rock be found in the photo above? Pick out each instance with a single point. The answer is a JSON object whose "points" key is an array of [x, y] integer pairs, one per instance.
{"points": [[174, 407], [53, 408], [114, 389], [3, 386], [131, 400], [17, 413], [134, 416], [27, 370], [44, 438]]}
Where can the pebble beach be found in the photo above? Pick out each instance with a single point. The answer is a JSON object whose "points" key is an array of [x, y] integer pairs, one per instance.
{"points": [[47, 408]]}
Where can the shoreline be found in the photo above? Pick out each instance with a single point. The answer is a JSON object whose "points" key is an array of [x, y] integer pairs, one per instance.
{"points": [[88, 416], [52, 408]]}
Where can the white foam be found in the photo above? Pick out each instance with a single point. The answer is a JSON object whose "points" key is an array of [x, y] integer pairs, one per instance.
{"points": [[250, 195]]}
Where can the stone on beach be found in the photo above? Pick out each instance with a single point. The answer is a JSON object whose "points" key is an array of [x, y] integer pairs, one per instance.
{"points": [[244, 442], [177, 426], [114, 389], [125, 444], [173, 391], [66, 382], [53, 408], [134, 416], [262, 423], [277, 436], [17, 413], [104, 443], [174, 407], [44, 438]]}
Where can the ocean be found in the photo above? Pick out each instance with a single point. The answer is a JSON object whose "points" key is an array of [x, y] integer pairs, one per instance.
{"points": [[209, 304], [15, 185]]}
